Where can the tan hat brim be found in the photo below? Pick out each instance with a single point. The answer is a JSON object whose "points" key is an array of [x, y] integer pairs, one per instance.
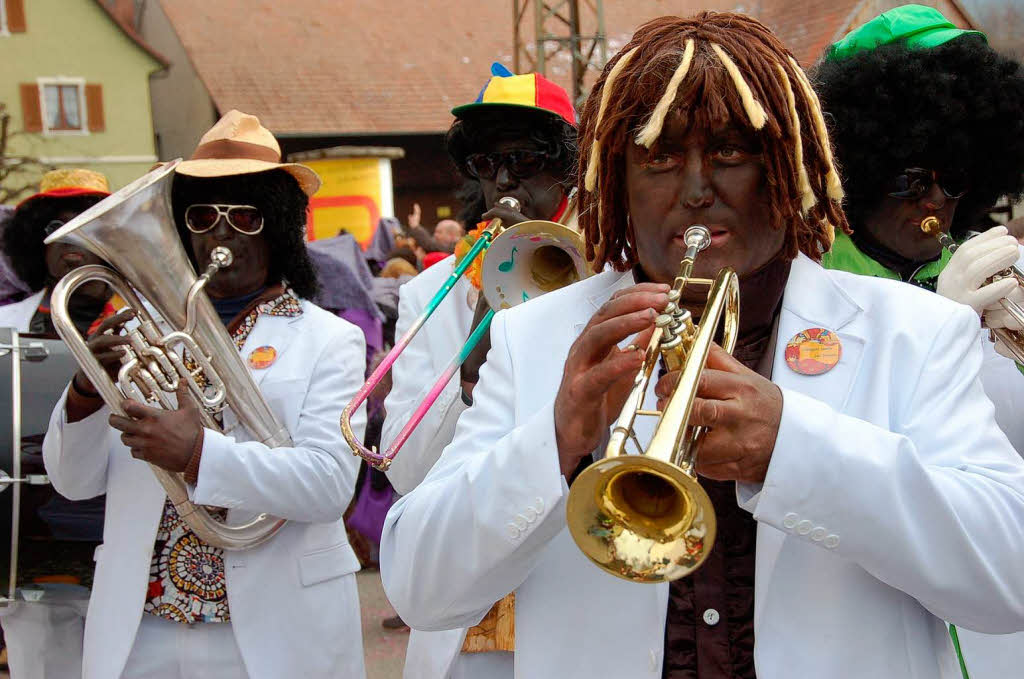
{"points": [[308, 180]]}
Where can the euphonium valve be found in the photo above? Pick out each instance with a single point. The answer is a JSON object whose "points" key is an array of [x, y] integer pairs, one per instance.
{"points": [[644, 517]]}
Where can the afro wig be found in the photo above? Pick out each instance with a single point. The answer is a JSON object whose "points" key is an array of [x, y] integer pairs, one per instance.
{"points": [[283, 205], [24, 233], [953, 107]]}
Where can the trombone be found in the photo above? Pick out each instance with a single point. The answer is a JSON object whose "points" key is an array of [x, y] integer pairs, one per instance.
{"points": [[523, 262], [644, 517], [1013, 340]]}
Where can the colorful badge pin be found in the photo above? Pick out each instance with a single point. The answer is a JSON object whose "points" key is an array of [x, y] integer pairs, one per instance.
{"points": [[813, 351], [263, 357]]}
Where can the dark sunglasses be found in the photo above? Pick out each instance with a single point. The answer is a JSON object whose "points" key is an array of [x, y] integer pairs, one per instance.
{"points": [[202, 217], [915, 182], [52, 228], [520, 164]]}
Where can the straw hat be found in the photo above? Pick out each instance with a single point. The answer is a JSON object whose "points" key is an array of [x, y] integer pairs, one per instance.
{"points": [[239, 144], [69, 182]]}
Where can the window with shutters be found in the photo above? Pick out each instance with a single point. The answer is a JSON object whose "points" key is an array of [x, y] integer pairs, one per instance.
{"points": [[69, 106], [12, 17]]}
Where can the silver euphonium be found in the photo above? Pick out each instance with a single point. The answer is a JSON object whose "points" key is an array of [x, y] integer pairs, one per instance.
{"points": [[133, 230]]}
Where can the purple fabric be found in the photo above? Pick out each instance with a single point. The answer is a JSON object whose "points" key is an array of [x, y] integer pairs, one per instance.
{"points": [[345, 278], [11, 287], [383, 239], [371, 325], [371, 508]]}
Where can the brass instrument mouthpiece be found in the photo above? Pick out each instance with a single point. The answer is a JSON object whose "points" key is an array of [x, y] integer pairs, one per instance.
{"points": [[931, 226], [221, 257], [510, 202], [697, 236]]}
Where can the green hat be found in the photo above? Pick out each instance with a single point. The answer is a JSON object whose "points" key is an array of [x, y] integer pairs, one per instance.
{"points": [[916, 26]]}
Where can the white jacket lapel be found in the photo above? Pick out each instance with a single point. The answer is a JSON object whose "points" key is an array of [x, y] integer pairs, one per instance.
{"points": [[813, 299]]}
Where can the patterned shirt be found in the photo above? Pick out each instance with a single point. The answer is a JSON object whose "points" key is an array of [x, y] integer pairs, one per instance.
{"points": [[186, 575]]}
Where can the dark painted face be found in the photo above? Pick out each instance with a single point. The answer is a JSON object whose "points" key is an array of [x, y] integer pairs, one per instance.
{"points": [[248, 271], [896, 223], [714, 177], [539, 195], [62, 259]]}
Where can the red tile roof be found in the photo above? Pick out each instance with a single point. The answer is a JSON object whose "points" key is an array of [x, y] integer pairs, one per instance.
{"points": [[323, 67], [122, 22]]}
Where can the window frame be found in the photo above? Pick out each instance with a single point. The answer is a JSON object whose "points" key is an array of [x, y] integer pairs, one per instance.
{"points": [[83, 115], [5, 31]]}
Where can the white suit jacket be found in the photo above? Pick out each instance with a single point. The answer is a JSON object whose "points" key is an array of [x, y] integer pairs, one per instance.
{"points": [[892, 501], [430, 655], [19, 314], [293, 600]]}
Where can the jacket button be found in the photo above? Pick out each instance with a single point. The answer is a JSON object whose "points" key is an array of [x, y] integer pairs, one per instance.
{"points": [[818, 534], [540, 504], [520, 522], [513, 531], [832, 541], [531, 515], [790, 520], [711, 617], [804, 527]]}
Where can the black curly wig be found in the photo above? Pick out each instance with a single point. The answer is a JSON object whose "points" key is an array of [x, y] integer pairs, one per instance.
{"points": [[956, 106], [283, 204], [479, 129], [23, 234]]}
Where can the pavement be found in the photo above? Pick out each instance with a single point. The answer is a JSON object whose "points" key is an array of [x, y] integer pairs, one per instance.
{"points": [[384, 648]]}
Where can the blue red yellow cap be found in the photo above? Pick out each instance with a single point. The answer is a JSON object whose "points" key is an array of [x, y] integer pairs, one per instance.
{"points": [[530, 90]]}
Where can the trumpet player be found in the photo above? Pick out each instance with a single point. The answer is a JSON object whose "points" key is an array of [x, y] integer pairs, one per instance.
{"points": [[863, 489], [908, 74], [165, 603], [517, 140]]}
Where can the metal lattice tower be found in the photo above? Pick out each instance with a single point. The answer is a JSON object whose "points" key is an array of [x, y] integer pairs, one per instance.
{"points": [[558, 41]]}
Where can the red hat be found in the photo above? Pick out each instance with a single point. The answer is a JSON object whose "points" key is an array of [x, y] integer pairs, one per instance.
{"points": [[531, 90], [432, 258]]}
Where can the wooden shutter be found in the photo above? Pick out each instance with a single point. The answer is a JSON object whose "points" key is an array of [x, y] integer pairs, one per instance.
{"points": [[31, 113], [15, 15], [94, 107]]}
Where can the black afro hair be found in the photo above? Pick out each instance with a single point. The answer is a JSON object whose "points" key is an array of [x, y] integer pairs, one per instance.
{"points": [[283, 204], [23, 234], [956, 106]]}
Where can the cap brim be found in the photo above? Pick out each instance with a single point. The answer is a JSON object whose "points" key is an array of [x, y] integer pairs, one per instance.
{"points": [[940, 37], [307, 179], [461, 111]]}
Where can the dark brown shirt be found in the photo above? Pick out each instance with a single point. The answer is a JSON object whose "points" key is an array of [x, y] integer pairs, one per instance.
{"points": [[709, 631]]}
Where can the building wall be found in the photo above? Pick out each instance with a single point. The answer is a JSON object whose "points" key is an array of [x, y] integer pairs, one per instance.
{"points": [[182, 108], [77, 39]]}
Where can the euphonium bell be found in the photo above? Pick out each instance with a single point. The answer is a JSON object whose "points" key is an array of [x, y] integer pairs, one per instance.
{"points": [[644, 517]]}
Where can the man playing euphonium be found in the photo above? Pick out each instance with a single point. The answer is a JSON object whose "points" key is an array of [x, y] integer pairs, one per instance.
{"points": [[165, 603], [839, 483]]}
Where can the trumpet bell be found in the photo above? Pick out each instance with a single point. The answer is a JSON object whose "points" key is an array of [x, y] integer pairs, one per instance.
{"points": [[529, 259], [641, 519]]}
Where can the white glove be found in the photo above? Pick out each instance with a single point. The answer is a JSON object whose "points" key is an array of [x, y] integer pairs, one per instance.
{"points": [[963, 279]]}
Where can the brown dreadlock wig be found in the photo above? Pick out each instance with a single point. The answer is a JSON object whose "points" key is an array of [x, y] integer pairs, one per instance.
{"points": [[716, 68]]}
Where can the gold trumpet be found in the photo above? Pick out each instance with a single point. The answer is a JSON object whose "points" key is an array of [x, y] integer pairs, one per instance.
{"points": [[1013, 340], [644, 517]]}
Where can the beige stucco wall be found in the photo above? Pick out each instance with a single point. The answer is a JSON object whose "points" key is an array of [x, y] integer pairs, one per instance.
{"points": [[182, 108], [77, 39]]}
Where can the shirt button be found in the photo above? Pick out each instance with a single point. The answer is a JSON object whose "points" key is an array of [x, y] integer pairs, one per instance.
{"points": [[804, 527], [818, 534], [711, 617], [790, 520], [832, 541]]}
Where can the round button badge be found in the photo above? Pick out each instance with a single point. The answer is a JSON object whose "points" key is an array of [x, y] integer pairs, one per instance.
{"points": [[813, 351], [263, 357]]}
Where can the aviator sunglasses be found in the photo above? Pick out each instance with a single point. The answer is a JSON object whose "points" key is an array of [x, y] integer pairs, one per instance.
{"points": [[915, 182], [520, 163], [202, 217]]}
